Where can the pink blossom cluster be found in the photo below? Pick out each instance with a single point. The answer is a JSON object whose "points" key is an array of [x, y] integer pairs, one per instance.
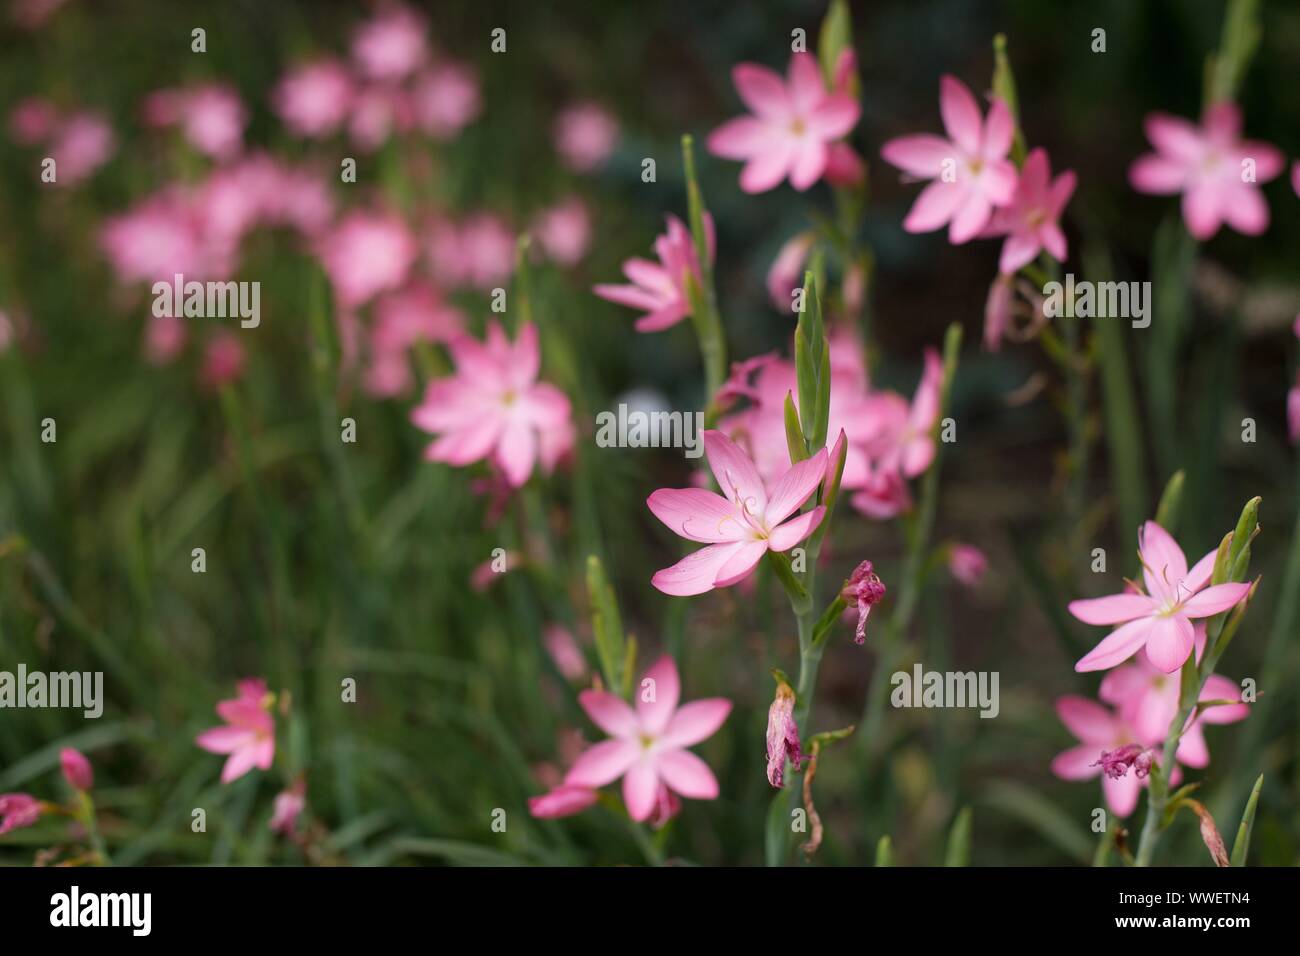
{"points": [[890, 440], [391, 85], [79, 142], [1159, 629]]}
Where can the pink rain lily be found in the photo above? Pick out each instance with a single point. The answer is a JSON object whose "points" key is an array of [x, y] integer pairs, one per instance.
{"points": [[314, 99], [1161, 619], [585, 136], [494, 408], [794, 124], [1108, 746], [288, 806], [1147, 700], [564, 230], [660, 288], [392, 44], [969, 171], [1031, 222], [366, 253], [786, 272], [76, 769], [1217, 172], [648, 744], [445, 99], [967, 564], [248, 735], [18, 810], [740, 525]]}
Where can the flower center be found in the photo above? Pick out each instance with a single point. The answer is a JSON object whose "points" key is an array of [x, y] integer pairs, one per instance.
{"points": [[797, 126]]}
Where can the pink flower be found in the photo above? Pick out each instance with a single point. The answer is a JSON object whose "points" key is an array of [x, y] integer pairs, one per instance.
{"points": [[1217, 172], [391, 45], [1031, 221], [660, 288], [969, 171], [863, 590], [1102, 733], [81, 144], [223, 360], [648, 745], [315, 98], [742, 524], [967, 564], [564, 230], [288, 806], [32, 121], [563, 801], [479, 252], [794, 123], [18, 810], [1146, 699], [76, 769], [1161, 620], [445, 99], [882, 494], [494, 408], [564, 651], [414, 313], [248, 735], [585, 136], [997, 311], [214, 121], [786, 273], [377, 112], [366, 253], [782, 735]]}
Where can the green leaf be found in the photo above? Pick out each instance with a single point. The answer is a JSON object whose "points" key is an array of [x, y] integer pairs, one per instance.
{"points": [[776, 838], [836, 36], [885, 852], [1041, 815], [607, 625], [794, 439], [1241, 846], [1004, 87], [958, 853], [1171, 502]]}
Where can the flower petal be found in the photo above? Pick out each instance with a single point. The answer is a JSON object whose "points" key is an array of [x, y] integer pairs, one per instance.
{"points": [[1121, 644], [640, 787], [696, 721], [796, 529], [687, 774], [656, 701], [697, 514], [961, 113], [736, 473], [1112, 609], [610, 713], [602, 763], [695, 573], [1215, 599], [794, 488], [1169, 642], [1087, 719]]}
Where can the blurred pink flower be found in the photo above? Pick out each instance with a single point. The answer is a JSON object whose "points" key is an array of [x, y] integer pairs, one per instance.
{"points": [[248, 734], [314, 99], [967, 564], [33, 14], [1217, 172], [564, 230], [564, 651], [494, 408], [157, 238], [377, 113], [32, 121], [76, 769], [563, 801], [414, 313], [163, 339], [882, 493], [648, 745], [903, 436], [289, 804], [445, 99], [739, 526], [786, 273], [1160, 621], [365, 253], [782, 735], [18, 810], [997, 311], [391, 45], [80, 145], [1031, 221], [585, 135], [479, 251], [969, 173], [213, 120], [1102, 732], [793, 125], [660, 288], [223, 360]]}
